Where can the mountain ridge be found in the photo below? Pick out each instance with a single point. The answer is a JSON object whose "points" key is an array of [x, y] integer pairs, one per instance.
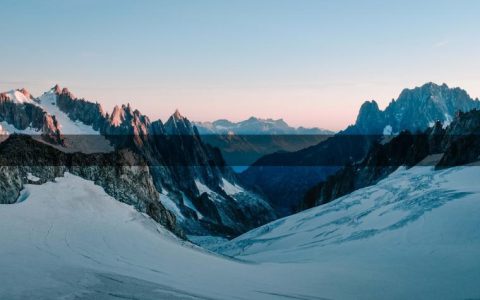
{"points": [[189, 174], [285, 177]]}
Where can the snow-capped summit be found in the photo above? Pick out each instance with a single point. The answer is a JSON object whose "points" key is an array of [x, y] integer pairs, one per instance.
{"points": [[19, 96], [177, 115], [178, 124]]}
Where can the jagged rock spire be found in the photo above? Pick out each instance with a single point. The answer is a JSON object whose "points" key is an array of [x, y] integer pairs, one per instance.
{"points": [[177, 115]]}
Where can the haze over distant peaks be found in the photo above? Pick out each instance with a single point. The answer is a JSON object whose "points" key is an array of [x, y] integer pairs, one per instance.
{"points": [[255, 125]]}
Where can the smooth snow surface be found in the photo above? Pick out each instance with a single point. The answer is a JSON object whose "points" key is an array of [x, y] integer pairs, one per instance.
{"points": [[415, 234], [69, 240]]}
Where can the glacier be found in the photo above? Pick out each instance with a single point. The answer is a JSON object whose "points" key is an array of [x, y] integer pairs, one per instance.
{"points": [[414, 234]]}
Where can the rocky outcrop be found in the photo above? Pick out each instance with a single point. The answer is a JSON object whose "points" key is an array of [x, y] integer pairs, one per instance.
{"points": [[123, 174]]}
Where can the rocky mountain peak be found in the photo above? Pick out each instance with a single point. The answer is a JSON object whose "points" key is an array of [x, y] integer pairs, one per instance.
{"points": [[178, 124], [25, 92], [118, 115], [370, 118], [177, 115], [415, 109], [62, 91], [57, 89]]}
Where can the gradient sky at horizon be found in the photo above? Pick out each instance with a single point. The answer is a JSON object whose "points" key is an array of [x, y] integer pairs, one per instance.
{"points": [[310, 62]]}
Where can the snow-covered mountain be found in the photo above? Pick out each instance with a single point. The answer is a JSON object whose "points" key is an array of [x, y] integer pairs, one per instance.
{"points": [[412, 235], [189, 177]]}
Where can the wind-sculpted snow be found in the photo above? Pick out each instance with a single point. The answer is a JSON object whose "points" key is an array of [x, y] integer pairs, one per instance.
{"points": [[394, 203]]}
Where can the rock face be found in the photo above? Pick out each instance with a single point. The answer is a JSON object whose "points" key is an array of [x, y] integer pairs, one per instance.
{"points": [[284, 178], [456, 145], [182, 172]]}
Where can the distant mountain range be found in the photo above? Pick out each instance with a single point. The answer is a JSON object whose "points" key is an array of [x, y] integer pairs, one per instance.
{"points": [[256, 126], [244, 142]]}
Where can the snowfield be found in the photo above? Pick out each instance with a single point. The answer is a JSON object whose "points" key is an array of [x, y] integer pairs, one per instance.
{"points": [[413, 235]]}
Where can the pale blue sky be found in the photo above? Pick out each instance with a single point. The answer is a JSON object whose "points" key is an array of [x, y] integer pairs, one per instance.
{"points": [[310, 62]]}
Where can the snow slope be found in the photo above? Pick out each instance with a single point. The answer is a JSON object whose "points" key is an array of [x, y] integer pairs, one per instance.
{"points": [[69, 240], [48, 101], [415, 234]]}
